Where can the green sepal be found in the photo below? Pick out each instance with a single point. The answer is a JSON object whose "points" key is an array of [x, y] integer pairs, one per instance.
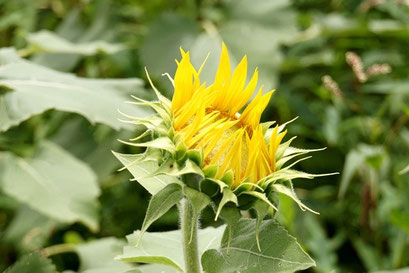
{"points": [[292, 152], [160, 203], [206, 185], [231, 216], [269, 131], [247, 186], [156, 106], [172, 168], [245, 201], [198, 201], [228, 178], [287, 175], [255, 195], [228, 196], [180, 153], [210, 171], [283, 147], [165, 101], [144, 134], [266, 125], [290, 193], [261, 209], [171, 134], [154, 123], [139, 165], [196, 156], [162, 143]]}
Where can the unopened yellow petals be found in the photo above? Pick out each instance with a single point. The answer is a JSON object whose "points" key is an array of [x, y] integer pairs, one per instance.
{"points": [[207, 118], [244, 96]]}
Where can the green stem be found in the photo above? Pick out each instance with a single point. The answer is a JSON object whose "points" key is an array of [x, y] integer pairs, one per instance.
{"points": [[189, 231]]}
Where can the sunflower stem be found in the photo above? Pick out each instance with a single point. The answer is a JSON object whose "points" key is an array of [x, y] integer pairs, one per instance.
{"points": [[190, 245]]}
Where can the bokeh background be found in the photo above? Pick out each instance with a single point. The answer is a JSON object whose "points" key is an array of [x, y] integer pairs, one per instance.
{"points": [[340, 66]]}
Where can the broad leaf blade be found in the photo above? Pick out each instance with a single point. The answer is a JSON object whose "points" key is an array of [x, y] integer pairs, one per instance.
{"points": [[36, 89], [98, 256], [53, 182], [280, 252], [46, 41], [166, 247], [32, 263]]}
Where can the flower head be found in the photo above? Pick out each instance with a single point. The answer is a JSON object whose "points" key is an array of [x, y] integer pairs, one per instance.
{"points": [[214, 132], [208, 118]]}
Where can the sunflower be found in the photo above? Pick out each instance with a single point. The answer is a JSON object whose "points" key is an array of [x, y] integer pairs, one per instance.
{"points": [[213, 132]]}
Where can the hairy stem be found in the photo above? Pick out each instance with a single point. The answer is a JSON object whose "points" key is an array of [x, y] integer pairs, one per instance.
{"points": [[189, 231]]}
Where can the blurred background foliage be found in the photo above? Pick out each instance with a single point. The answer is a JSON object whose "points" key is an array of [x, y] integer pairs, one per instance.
{"points": [[341, 66]]}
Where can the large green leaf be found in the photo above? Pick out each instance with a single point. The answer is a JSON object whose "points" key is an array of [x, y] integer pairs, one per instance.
{"points": [[29, 229], [36, 89], [98, 256], [280, 252], [166, 247], [32, 263], [141, 171], [356, 159], [46, 41], [53, 182]]}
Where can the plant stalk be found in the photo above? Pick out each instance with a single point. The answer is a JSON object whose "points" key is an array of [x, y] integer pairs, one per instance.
{"points": [[189, 233]]}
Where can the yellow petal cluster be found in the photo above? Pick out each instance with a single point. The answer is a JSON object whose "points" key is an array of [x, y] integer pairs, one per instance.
{"points": [[208, 118]]}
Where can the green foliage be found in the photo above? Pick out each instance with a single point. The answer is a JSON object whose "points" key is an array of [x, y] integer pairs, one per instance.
{"points": [[36, 89], [53, 182], [32, 263], [166, 247], [280, 252], [74, 63]]}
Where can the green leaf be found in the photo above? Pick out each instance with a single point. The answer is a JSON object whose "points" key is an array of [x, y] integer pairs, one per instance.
{"points": [[355, 160], [160, 203], [36, 89], [198, 201], [32, 263], [280, 252], [98, 256], [141, 170], [29, 229], [45, 41], [52, 182], [166, 247]]}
